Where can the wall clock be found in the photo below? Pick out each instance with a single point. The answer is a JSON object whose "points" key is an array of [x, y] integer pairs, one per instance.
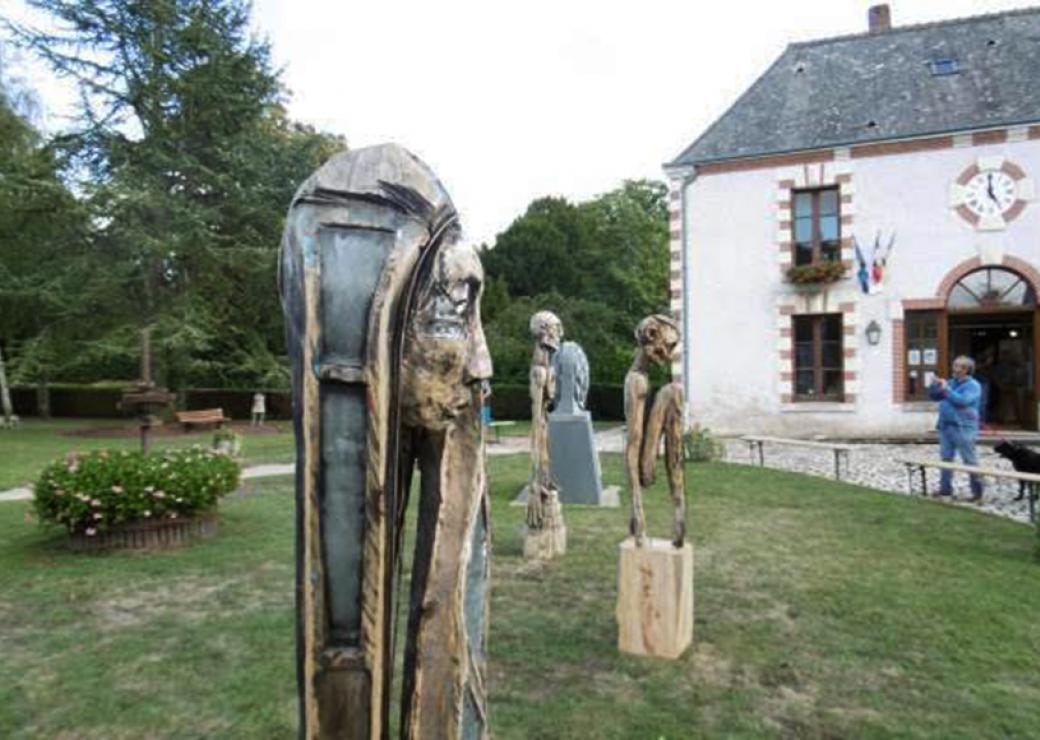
{"points": [[991, 192]]}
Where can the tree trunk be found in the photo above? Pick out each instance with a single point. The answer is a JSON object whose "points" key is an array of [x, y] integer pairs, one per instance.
{"points": [[43, 398], [5, 393]]}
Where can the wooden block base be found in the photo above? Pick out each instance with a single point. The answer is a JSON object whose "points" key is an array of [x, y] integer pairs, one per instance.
{"points": [[545, 544], [655, 598]]}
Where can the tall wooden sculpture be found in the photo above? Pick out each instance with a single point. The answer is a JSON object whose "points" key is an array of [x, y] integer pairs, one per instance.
{"points": [[382, 308], [658, 336], [546, 533], [655, 577]]}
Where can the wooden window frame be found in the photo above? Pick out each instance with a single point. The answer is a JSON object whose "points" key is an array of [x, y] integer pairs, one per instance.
{"points": [[818, 368], [817, 242], [941, 343]]}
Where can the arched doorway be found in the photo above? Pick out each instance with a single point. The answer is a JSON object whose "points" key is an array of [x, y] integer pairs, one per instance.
{"points": [[991, 317]]}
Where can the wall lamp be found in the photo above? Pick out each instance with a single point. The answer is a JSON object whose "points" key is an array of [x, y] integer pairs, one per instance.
{"points": [[873, 333]]}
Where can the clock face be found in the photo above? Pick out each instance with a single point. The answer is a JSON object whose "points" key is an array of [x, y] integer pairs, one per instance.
{"points": [[990, 192]]}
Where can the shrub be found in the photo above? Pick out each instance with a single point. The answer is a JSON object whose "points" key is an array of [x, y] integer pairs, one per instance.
{"points": [[701, 446], [93, 492]]}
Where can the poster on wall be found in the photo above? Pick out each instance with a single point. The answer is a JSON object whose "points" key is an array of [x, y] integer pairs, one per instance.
{"points": [[929, 378], [913, 357], [931, 356]]}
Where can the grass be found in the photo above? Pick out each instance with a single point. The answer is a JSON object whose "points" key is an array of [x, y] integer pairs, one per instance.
{"points": [[822, 610], [522, 428], [25, 450]]}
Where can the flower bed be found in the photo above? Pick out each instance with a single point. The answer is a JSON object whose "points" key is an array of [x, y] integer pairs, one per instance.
{"points": [[102, 493]]}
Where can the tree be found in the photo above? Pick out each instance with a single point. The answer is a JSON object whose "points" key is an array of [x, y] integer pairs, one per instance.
{"points": [[187, 162], [601, 266], [41, 227]]}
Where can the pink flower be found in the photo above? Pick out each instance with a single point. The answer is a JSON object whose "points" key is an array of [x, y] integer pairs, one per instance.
{"points": [[72, 462], [149, 489], [98, 515], [147, 513], [91, 531], [95, 502], [117, 489], [159, 494]]}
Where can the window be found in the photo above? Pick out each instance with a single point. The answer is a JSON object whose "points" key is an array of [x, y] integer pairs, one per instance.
{"points": [[816, 226], [818, 358], [991, 287], [923, 351]]}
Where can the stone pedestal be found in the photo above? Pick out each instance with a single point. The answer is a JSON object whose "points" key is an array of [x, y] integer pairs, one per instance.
{"points": [[655, 598], [575, 462], [551, 540]]}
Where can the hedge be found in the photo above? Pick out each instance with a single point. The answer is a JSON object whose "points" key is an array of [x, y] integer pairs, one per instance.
{"points": [[513, 401], [508, 401], [84, 401]]}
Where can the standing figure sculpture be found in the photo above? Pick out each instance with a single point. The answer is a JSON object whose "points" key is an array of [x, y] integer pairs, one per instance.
{"points": [[658, 337], [546, 533], [382, 306]]}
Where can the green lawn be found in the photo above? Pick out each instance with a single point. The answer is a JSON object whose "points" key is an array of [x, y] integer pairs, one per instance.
{"points": [[822, 610], [522, 428], [25, 450]]}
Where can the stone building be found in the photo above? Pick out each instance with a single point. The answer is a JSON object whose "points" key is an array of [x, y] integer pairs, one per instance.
{"points": [[861, 215]]}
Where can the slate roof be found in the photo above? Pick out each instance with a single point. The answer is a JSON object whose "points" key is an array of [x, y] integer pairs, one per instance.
{"points": [[878, 86]]}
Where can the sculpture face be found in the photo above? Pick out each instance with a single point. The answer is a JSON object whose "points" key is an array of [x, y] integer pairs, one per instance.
{"points": [[446, 356], [658, 337], [547, 330]]}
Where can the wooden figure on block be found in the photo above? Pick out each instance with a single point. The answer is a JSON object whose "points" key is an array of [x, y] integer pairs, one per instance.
{"points": [[655, 576], [658, 337], [546, 532], [382, 306]]}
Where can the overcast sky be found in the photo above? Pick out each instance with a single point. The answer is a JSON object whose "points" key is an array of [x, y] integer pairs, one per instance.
{"points": [[511, 101]]}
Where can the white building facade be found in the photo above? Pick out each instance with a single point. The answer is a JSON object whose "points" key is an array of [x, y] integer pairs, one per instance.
{"points": [[835, 243]]}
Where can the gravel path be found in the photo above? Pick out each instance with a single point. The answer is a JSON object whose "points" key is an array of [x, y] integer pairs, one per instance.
{"points": [[874, 466]]}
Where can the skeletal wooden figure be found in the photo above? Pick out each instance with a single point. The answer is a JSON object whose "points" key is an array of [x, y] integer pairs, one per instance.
{"points": [[658, 337], [382, 307], [544, 514]]}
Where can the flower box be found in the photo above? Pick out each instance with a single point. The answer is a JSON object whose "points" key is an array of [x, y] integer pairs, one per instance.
{"points": [[147, 534], [131, 499], [816, 273]]}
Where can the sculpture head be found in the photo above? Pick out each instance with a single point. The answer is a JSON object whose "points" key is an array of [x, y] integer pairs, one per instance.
{"points": [[658, 337], [547, 330], [446, 358]]}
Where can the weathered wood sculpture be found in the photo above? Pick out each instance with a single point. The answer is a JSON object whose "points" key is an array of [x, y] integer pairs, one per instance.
{"points": [[546, 532], [655, 577], [658, 336], [382, 308]]}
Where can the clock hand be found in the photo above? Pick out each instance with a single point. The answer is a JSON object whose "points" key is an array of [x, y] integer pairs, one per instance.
{"points": [[989, 188]]}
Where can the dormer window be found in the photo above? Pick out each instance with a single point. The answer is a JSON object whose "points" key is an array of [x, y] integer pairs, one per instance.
{"points": [[943, 66]]}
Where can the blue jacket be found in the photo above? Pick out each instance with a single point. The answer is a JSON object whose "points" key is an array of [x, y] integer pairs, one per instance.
{"points": [[959, 403]]}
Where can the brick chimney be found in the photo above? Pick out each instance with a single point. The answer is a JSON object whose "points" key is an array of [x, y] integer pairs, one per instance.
{"points": [[880, 18]]}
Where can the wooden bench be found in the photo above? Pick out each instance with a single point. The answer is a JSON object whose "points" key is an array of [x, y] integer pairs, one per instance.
{"points": [[841, 451], [920, 466], [497, 426], [201, 418]]}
